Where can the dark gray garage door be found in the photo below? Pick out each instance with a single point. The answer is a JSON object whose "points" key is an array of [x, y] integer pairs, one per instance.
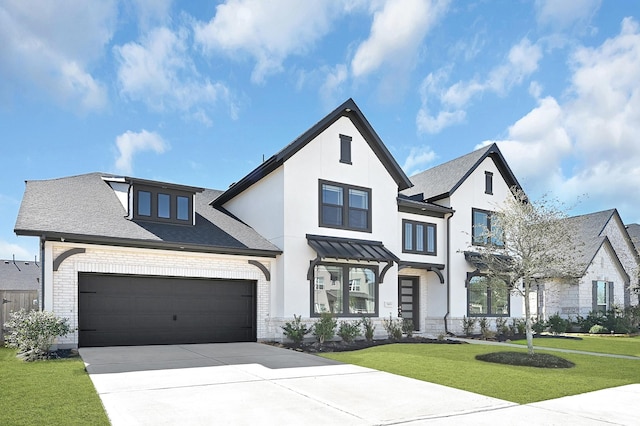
{"points": [[116, 310]]}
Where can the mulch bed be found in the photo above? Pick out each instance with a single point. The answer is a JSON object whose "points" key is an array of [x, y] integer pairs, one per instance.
{"points": [[341, 346]]}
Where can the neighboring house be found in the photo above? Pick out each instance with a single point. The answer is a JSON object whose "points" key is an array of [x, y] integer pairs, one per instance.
{"points": [[474, 186], [19, 288], [609, 261], [633, 230]]}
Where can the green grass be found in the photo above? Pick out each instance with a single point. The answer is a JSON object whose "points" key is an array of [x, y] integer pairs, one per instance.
{"points": [[601, 344], [456, 366], [47, 392]]}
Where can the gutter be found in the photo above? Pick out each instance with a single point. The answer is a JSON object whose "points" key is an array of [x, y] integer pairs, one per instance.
{"points": [[446, 316]]}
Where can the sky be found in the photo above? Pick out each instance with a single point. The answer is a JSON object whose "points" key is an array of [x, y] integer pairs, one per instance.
{"points": [[198, 93]]}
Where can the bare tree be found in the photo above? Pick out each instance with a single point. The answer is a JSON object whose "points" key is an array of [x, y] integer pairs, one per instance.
{"points": [[527, 241]]}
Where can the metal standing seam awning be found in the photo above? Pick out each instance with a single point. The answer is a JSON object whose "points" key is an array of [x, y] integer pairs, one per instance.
{"points": [[432, 267], [350, 249]]}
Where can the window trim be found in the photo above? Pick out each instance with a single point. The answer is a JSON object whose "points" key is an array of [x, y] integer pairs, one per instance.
{"points": [[488, 183], [154, 205], [426, 225], [345, 206], [608, 294], [471, 275], [345, 289], [345, 149]]}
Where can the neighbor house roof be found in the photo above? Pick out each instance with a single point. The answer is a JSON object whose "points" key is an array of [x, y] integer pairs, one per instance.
{"points": [[86, 209], [633, 229], [588, 236], [441, 181], [19, 275], [347, 109]]}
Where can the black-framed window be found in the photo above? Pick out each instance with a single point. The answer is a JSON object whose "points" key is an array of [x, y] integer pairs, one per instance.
{"points": [[481, 222], [345, 149], [418, 237], [486, 299], [344, 290], [488, 183], [345, 206], [162, 205]]}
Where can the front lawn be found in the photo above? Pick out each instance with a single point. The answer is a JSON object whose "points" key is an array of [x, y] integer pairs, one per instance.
{"points": [[47, 392], [456, 366], [597, 343]]}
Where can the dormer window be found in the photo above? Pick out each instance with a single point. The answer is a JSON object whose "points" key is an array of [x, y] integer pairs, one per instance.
{"points": [[162, 204]]}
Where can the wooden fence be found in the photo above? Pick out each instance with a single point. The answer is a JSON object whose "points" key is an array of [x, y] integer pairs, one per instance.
{"points": [[14, 300]]}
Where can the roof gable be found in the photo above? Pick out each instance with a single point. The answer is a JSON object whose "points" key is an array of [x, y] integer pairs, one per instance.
{"points": [[442, 181], [348, 109]]}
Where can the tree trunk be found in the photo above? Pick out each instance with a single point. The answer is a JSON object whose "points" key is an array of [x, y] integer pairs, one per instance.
{"points": [[527, 313]]}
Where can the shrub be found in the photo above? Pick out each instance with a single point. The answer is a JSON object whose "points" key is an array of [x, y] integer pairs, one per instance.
{"points": [[368, 328], [348, 331], [538, 326], [502, 327], [468, 326], [407, 327], [295, 330], [33, 333], [557, 324], [598, 329], [614, 319], [393, 328], [520, 326], [484, 328], [325, 328]]}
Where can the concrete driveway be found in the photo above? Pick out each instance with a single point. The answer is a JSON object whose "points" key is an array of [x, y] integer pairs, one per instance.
{"points": [[252, 383]]}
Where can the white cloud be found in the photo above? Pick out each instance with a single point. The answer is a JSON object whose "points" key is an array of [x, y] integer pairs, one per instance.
{"points": [[418, 160], [49, 47], [589, 143], [159, 72], [333, 82], [396, 33], [130, 143], [268, 32], [563, 14], [521, 62], [152, 12], [8, 250]]}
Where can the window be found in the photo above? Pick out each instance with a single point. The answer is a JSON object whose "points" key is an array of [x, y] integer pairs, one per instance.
{"points": [[602, 295], [418, 237], [480, 226], [345, 149], [346, 290], [487, 299], [163, 205], [344, 206], [488, 183]]}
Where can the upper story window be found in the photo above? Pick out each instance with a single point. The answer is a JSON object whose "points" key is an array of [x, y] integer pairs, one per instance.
{"points": [[162, 204], [483, 230], [418, 237], [488, 183], [345, 149], [345, 206]]}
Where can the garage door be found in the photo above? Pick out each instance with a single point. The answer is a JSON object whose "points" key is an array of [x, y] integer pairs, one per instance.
{"points": [[116, 310]]}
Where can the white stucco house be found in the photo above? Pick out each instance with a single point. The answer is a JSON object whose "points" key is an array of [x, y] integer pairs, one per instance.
{"points": [[609, 263], [330, 223]]}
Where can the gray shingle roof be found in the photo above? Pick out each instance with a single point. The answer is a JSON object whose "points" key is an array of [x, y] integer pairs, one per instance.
{"points": [[21, 275], [588, 234], [84, 208], [442, 180], [634, 232]]}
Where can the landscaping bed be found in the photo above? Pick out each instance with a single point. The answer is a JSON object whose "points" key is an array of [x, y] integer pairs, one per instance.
{"points": [[342, 346]]}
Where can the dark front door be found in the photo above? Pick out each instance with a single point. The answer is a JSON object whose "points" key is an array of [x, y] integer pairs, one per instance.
{"points": [[409, 301], [123, 310]]}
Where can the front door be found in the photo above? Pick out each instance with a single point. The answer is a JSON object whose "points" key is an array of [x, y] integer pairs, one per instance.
{"points": [[408, 300]]}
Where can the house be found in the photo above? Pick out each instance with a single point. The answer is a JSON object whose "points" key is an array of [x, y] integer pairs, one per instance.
{"points": [[19, 288], [633, 230], [474, 185], [609, 264], [330, 223]]}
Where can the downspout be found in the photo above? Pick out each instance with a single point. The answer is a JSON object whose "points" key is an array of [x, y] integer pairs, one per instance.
{"points": [[446, 316], [42, 273]]}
